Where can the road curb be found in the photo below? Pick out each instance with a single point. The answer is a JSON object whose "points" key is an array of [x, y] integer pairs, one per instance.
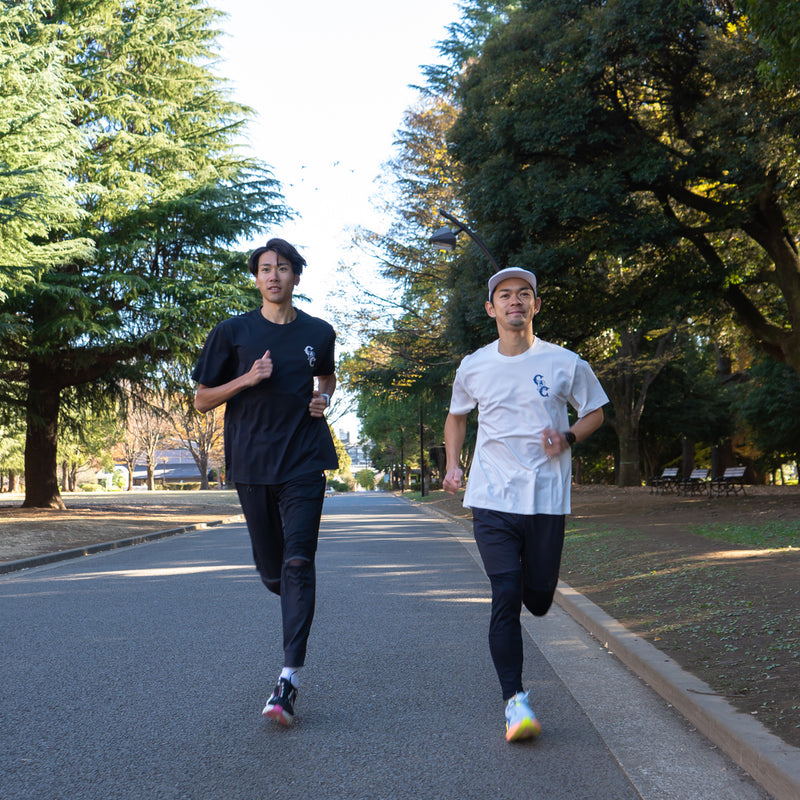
{"points": [[76, 552], [771, 762]]}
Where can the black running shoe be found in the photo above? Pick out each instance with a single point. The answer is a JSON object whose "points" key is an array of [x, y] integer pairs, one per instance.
{"points": [[280, 705]]}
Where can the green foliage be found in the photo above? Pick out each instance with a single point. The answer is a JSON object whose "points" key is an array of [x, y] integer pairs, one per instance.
{"points": [[38, 147], [344, 457], [365, 478], [406, 361], [767, 402], [637, 142], [165, 197]]}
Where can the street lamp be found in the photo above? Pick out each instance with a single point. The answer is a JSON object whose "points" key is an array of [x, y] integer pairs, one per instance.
{"points": [[445, 238]]}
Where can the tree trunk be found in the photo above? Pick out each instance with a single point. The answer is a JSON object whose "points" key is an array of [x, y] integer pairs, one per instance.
{"points": [[629, 472], [12, 480], [687, 457], [41, 439], [202, 463]]}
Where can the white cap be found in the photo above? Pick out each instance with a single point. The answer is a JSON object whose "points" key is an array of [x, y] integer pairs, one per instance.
{"points": [[511, 272]]}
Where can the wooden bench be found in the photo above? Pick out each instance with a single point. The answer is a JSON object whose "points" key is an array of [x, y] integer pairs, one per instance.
{"points": [[665, 482], [731, 482], [696, 483]]}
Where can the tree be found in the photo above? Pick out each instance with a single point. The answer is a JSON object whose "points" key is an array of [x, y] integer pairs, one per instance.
{"points": [[12, 455], [200, 434], [767, 405], [628, 129], [164, 195], [407, 355], [38, 147], [365, 478], [85, 439]]}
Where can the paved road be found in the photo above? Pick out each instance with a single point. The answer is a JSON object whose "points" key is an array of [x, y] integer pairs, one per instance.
{"points": [[141, 673]]}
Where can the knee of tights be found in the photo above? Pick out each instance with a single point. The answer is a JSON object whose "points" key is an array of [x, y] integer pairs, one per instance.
{"points": [[273, 585], [298, 563], [538, 603]]}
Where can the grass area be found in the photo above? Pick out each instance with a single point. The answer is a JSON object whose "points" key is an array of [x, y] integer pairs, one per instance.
{"points": [[723, 615], [775, 534]]}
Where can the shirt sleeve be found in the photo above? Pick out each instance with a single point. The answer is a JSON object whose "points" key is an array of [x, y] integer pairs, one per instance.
{"points": [[461, 401], [216, 364], [587, 392], [326, 365]]}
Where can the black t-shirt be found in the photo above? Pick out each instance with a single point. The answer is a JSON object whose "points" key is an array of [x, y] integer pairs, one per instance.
{"points": [[269, 435]]}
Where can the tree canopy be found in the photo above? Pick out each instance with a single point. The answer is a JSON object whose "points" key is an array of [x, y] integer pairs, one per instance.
{"points": [[645, 133], [163, 194]]}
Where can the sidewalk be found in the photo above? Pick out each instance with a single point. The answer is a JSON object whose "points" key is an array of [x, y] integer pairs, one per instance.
{"points": [[768, 759]]}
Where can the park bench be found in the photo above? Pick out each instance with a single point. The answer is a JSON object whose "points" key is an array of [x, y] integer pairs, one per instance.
{"points": [[731, 482], [665, 482], [696, 483]]}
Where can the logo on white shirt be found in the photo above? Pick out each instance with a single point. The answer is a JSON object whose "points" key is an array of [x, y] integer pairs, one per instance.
{"points": [[544, 389]]}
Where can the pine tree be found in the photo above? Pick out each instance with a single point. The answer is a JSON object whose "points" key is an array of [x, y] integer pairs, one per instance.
{"points": [[38, 147], [165, 197]]}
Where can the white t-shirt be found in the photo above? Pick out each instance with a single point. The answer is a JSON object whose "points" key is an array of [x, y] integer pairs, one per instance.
{"points": [[517, 398]]}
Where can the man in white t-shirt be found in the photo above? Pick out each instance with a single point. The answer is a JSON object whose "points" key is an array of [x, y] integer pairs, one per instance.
{"points": [[519, 480]]}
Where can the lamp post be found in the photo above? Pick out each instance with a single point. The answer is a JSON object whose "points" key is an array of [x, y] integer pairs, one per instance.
{"points": [[421, 453], [445, 238]]}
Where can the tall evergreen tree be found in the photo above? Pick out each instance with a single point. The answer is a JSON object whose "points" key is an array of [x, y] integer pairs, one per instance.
{"points": [[38, 147], [165, 196]]}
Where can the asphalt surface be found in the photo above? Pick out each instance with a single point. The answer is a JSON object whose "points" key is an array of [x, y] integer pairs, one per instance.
{"points": [[141, 673]]}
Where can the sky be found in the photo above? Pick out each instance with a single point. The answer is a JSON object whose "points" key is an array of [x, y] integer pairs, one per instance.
{"points": [[329, 82]]}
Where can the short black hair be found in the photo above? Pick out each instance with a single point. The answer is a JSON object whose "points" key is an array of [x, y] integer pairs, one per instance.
{"points": [[282, 248]]}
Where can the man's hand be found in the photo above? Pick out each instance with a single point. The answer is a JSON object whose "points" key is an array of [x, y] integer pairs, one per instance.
{"points": [[553, 442], [317, 405], [452, 481], [261, 369]]}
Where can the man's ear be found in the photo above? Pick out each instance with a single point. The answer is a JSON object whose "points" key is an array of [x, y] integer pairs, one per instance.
{"points": [[490, 309], [296, 280]]}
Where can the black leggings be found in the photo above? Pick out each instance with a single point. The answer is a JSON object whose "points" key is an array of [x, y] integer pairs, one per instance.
{"points": [[283, 521], [522, 556]]}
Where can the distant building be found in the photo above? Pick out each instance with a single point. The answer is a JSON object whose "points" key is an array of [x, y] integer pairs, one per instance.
{"points": [[356, 451], [172, 466]]}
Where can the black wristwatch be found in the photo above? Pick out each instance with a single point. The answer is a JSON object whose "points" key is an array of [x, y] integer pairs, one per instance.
{"points": [[570, 437]]}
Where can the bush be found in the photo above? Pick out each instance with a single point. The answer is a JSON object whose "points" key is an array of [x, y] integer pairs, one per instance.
{"points": [[189, 487], [365, 478]]}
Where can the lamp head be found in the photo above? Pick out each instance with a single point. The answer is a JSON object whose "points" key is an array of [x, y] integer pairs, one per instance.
{"points": [[443, 239]]}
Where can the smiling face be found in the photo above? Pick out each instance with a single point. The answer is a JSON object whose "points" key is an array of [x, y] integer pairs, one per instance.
{"points": [[275, 278], [513, 305]]}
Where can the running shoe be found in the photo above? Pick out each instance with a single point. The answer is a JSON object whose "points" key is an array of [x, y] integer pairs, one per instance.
{"points": [[521, 722], [280, 705]]}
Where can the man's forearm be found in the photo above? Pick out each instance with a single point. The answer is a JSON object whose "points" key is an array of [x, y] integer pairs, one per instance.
{"points": [[455, 429], [587, 425]]}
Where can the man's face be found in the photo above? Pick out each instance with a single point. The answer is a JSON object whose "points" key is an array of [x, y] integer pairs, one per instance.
{"points": [[513, 304], [275, 278]]}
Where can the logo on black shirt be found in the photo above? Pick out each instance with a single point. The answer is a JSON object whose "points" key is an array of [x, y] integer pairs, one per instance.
{"points": [[311, 355]]}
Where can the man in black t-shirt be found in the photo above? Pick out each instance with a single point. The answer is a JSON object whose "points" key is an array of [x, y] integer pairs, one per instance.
{"points": [[262, 365]]}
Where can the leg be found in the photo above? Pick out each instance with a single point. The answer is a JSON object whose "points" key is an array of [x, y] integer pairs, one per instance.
{"points": [[300, 503], [261, 512], [541, 560], [500, 547]]}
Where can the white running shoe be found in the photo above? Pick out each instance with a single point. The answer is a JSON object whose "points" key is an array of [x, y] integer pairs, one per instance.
{"points": [[521, 722]]}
